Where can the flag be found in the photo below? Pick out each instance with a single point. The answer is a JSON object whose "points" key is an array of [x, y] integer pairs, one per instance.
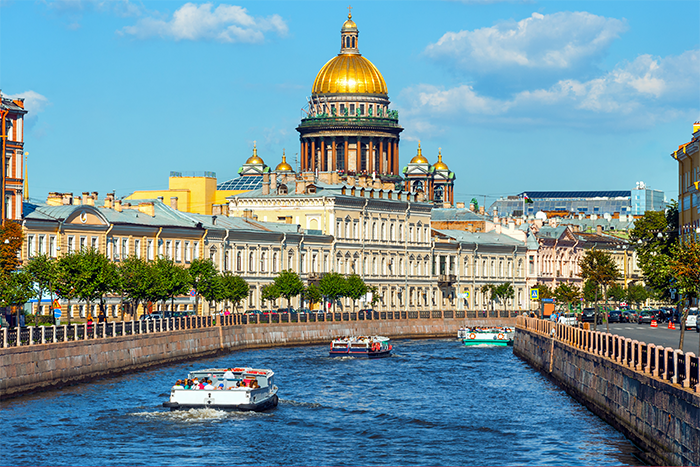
{"points": [[527, 199]]}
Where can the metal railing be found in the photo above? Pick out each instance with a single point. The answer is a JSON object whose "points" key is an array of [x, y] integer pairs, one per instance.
{"points": [[668, 364], [36, 335]]}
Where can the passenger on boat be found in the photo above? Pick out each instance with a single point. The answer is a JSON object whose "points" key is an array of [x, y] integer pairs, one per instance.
{"points": [[208, 386], [228, 374], [178, 385], [220, 387], [254, 384]]}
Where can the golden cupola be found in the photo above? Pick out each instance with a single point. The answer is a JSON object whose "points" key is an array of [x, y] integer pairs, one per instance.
{"points": [[419, 158], [254, 159], [283, 166], [440, 165], [349, 72]]}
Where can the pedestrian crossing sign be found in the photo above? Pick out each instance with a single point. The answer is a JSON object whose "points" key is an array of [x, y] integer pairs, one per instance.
{"points": [[535, 294]]}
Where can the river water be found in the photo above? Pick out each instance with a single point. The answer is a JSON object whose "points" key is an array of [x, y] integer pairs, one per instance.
{"points": [[434, 402]]}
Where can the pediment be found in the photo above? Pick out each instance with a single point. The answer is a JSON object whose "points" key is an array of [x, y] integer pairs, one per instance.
{"points": [[86, 215]]}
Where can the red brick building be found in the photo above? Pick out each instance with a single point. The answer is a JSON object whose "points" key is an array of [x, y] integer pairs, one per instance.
{"points": [[12, 172]]}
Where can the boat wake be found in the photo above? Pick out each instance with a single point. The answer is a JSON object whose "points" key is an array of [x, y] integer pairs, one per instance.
{"points": [[195, 415]]}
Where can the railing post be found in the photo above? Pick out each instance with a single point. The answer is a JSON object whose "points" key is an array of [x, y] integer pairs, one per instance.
{"points": [[665, 374], [633, 362], [686, 380], [676, 352], [4, 338], [31, 334], [43, 334], [85, 331], [647, 367], [54, 334]]}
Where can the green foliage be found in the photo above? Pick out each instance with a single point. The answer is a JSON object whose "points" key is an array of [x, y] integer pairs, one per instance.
{"points": [[355, 288], [67, 269], [637, 294], [598, 267], [333, 286], [616, 292], [544, 291], [203, 274], [269, 293], [591, 290], [567, 293], [504, 291], [96, 276], [42, 270], [138, 281], [15, 288], [213, 289], [9, 252], [172, 279], [685, 265], [313, 294], [376, 298], [235, 288], [289, 284], [655, 235]]}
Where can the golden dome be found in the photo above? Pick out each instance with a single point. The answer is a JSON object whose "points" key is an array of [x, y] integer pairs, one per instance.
{"points": [[418, 158], [254, 159], [349, 73], [440, 165], [349, 25], [283, 166]]}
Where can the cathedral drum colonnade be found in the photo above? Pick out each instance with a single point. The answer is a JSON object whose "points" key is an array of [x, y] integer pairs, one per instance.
{"points": [[349, 127]]}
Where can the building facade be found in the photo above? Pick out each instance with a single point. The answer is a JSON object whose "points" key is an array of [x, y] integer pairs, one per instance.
{"points": [[688, 157], [12, 114]]}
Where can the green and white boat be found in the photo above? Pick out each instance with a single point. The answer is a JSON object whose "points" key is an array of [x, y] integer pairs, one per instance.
{"points": [[499, 336]]}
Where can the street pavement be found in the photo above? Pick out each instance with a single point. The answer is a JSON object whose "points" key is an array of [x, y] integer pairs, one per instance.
{"points": [[658, 336]]}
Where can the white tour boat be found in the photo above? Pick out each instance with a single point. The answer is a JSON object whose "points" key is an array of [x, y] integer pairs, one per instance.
{"points": [[361, 346], [486, 336], [233, 389]]}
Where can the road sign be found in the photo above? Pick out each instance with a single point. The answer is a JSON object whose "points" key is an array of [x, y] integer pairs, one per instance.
{"points": [[547, 300], [193, 292], [55, 304], [57, 312], [534, 294]]}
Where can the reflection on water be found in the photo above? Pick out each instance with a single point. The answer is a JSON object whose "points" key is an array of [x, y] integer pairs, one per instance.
{"points": [[434, 402]]}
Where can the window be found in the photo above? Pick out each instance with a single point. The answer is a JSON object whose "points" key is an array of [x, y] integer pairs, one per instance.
{"points": [[263, 260], [178, 252], [392, 234], [362, 109], [30, 246], [274, 262], [195, 251], [169, 249], [251, 262], [94, 243], [151, 251], [352, 109], [531, 265], [71, 244], [125, 248], [137, 248], [338, 232], [83, 243], [41, 247], [239, 262], [188, 252], [52, 246]]}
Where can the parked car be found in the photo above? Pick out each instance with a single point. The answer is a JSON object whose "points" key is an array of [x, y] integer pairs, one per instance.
{"points": [[588, 316], [181, 314], [303, 310], [627, 317], [148, 316], [568, 319], [692, 320], [646, 316], [286, 310], [615, 316]]}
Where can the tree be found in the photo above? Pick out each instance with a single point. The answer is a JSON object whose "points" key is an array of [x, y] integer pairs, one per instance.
{"points": [[503, 292], [137, 282], [655, 235], [567, 293], [67, 270], [488, 290], [374, 290], [11, 233], [270, 293], [235, 288], [15, 290], [685, 265], [544, 291], [213, 290], [616, 292], [289, 285], [355, 288], [42, 270], [333, 286], [202, 273], [636, 293], [598, 267], [313, 294], [96, 276], [174, 280], [590, 292]]}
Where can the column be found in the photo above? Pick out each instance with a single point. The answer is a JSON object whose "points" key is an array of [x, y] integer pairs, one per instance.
{"points": [[324, 157], [345, 155], [380, 169], [303, 155], [370, 156], [395, 153], [389, 157], [358, 155], [334, 156], [313, 155]]}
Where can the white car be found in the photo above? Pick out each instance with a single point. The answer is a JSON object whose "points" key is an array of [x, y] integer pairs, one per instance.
{"points": [[692, 320], [568, 319]]}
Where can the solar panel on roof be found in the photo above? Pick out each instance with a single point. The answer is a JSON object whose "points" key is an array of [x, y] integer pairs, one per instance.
{"points": [[250, 182]]}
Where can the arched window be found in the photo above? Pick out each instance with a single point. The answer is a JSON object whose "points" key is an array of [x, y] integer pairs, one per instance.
{"points": [[500, 269], [274, 262], [251, 262], [392, 235], [263, 260], [239, 262], [374, 230], [353, 42], [374, 266], [520, 270], [290, 261], [383, 231]]}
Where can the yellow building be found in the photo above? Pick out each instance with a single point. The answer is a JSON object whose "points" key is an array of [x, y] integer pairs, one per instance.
{"points": [[688, 157]]}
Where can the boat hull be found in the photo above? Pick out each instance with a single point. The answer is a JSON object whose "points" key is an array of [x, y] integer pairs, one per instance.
{"points": [[360, 354], [488, 338], [261, 406]]}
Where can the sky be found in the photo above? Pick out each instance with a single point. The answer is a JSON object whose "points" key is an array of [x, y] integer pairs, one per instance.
{"points": [[519, 95]]}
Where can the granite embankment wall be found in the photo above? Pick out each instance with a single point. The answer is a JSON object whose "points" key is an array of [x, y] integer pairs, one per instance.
{"points": [[662, 418], [30, 368]]}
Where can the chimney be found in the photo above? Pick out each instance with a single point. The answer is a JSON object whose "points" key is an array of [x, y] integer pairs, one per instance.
{"points": [[89, 199], [54, 199], [118, 205], [599, 229], [301, 187], [67, 198], [472, 207], [160, 198], [94, 195], [446, 205], [173, 202], [77, 201], [460, 205], [147, 208], [213, 220], [266, 184], [109, 200], [248, 213], [216, 209], [224, 209], [273, 182], [696, 126], [482, 210]]}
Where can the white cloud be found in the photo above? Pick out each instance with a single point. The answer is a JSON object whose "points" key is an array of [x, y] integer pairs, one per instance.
{"points": [[560, 41], [123, 8], [225, 23], [635, 94], [34, 104]]}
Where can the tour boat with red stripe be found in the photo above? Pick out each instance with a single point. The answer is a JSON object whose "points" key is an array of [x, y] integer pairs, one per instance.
{"points": [[486, 336], [361, 346], [245, 389]]}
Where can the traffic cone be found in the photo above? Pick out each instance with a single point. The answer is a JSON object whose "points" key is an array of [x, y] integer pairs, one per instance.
{"points": [[671, 325], [654, 324]]}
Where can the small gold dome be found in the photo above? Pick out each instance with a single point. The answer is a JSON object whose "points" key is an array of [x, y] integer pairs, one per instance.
{"points": [[418, 158], [283, 166], [440, 165], [254, 159], [349, 73], [349, 24]]}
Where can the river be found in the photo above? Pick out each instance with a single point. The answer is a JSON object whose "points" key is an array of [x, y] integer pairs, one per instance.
{"points": [[434, 402]]}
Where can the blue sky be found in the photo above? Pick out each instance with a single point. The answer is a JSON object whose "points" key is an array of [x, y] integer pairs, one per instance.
{"points": [[550, 95]]}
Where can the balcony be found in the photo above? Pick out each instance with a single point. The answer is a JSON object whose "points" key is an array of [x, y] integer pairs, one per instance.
{"points": [[446, 280]]}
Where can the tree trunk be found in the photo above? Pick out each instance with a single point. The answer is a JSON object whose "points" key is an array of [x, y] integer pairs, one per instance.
{"points": [[68, 312], [684, 316], [607, 322], [595, 317]]}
